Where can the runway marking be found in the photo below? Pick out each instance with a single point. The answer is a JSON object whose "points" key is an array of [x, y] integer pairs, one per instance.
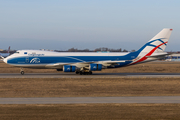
{"points": [[90, 100]]}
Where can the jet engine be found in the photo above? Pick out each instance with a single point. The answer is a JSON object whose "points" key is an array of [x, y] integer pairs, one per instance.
{"points": [[69, 68], [95, 67]]}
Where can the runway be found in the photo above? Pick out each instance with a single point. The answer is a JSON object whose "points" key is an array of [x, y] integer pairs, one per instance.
{"points": [[90, 100], [94, 75]]}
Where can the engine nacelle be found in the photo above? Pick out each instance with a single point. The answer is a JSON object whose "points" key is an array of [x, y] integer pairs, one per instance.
{"points": [[95, 67], [69, 68]]}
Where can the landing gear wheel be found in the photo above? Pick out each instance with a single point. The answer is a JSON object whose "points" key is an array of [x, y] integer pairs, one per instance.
{"points": [[85, 73], [22, 72], [77, 72]]}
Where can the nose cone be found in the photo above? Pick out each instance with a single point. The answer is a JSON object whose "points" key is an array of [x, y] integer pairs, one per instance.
{"points": [[5, 60]]}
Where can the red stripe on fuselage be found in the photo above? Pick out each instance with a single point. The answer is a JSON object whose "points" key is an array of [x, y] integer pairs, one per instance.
{"points": [[151, 52]]}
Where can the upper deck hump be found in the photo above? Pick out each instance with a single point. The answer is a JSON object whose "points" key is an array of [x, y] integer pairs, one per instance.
{"points": [[52, 53]]}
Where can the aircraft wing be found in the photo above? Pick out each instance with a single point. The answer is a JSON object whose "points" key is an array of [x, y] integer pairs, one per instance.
{"points": [[86, 64]]}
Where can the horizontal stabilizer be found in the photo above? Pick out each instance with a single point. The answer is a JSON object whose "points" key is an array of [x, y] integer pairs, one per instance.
{"points": [[157, 56]]}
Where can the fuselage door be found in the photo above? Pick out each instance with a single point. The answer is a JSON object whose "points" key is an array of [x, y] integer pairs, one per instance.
{"points": [[27, 59]]}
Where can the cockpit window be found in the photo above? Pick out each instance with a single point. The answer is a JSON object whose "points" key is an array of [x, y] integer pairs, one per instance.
{"points": [[17, 52], [25, 52]]}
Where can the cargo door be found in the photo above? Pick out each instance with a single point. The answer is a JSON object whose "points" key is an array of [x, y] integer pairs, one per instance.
{"points": [[27, 59]]}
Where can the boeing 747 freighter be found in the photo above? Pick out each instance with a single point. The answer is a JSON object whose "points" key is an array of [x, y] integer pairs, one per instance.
{"points": [[86, 62]]}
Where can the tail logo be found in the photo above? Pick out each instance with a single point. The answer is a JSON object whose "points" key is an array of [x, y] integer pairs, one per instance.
{"points": [[151, 52], [164, 43], [150, 44]]}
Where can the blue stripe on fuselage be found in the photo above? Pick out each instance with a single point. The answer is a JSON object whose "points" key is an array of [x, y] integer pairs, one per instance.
{"points": [[70, 59], [64, 59]]}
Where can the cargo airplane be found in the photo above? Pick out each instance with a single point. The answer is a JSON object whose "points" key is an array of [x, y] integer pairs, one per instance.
{"points": [[86, 62]]}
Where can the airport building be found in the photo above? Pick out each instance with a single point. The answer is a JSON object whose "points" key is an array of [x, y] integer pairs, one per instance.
{"points": [[173, 57]]}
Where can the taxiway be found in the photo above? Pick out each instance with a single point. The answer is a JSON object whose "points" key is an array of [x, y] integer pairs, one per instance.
{"points": [[94, 75], [89, 100]]}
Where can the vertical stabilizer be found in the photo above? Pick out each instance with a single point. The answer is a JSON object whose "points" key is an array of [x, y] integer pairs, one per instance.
{"points": [[158, 43]]}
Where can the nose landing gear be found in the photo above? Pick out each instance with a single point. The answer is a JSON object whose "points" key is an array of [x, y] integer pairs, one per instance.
{"points": [[22, 71]]}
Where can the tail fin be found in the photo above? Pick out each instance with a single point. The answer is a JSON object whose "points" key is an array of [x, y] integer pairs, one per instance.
{"points": [[158, 43], [8, 49]]}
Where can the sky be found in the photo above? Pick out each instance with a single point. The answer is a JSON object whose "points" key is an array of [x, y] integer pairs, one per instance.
{"points": [[64, 24]]}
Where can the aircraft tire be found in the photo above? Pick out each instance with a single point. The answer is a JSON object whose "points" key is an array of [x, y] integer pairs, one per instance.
{"points": [[90, 72], [22, 72]]}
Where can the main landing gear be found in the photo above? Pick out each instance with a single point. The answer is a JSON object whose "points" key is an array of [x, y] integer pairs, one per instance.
{"points": [[22, 71], [84, 72]]}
